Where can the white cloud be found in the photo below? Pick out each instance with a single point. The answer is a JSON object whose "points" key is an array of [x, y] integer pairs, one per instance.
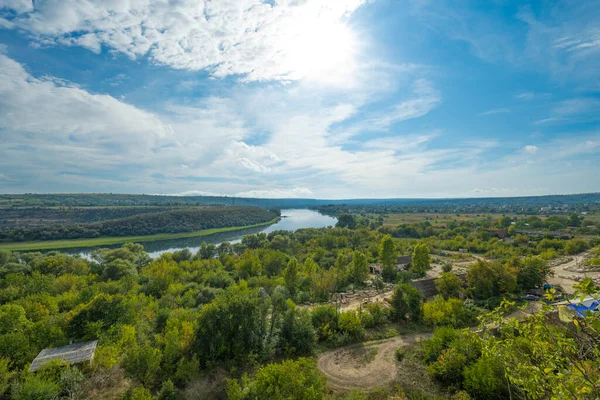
{"points": [[577, 106], [425, 99], [285, 40], [195, 193], [64, 116], [530, 149], [546, 121], [18, 6], [297, 192], [494, 111]]}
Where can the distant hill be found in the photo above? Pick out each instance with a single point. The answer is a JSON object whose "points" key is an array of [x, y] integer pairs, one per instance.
{"points": [[134, 200]]}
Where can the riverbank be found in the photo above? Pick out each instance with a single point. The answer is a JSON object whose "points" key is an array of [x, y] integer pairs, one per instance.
{"points": [[112, 240]]}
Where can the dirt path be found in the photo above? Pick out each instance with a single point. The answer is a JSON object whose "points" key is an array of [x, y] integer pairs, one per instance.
{"points": [[565, 271], [368, 365]]}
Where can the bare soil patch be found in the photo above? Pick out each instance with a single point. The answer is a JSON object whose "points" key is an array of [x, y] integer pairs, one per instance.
{"points": [[365, 366]]}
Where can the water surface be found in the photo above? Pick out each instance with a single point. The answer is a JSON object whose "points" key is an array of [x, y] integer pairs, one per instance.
{"points": [[291, 220]]}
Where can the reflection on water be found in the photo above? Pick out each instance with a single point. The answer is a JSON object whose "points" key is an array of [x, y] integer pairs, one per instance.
{"points": [[291, 220]]}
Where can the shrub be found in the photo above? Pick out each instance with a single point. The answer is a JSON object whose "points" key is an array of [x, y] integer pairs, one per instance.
{"points": [[349, 323], [449, 312], [485, 379], [441, 339], [400, 354], [291, 380], [35, 388], [449, 367], [325, 321]]}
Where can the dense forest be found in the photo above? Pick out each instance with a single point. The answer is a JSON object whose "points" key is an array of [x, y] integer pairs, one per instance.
{"points": [[522, 205], [187, 219], [246, 321]]}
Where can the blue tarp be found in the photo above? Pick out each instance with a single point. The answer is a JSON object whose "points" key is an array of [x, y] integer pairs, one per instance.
{"points": [[582, 309]]}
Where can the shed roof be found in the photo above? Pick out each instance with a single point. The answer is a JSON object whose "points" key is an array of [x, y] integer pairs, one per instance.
{"points": [[71, 354]]}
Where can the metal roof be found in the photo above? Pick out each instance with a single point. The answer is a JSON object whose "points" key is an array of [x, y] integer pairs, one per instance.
{"points": [[71, 354]]}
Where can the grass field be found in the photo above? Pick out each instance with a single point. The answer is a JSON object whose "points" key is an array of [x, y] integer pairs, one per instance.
{"points": [[104, 241], [435, 219]]}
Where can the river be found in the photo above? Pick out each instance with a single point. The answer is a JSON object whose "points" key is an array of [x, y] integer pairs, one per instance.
{"points": [[291, 220]]}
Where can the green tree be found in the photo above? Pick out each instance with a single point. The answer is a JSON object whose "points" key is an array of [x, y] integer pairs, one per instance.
{"points": [[346, 221], [388, 257], [446, 312], [421, 259], [291, 380], [297, 336], [490, 280], [291, 277], [207, 251], [449, 285], [232, 326], [360, 268], [143, 364], [406, 303], [5, 375], [532, 272], [574, 220]]}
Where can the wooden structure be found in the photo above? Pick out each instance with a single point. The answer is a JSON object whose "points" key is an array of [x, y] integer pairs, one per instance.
{"points": [[70, 354]]}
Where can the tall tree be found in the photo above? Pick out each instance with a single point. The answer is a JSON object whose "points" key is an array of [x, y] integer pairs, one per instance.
{"points": [[388, 257], [291, 277], [360, 268], [421, 259]]}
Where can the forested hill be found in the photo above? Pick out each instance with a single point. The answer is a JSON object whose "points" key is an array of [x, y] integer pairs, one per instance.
{"points": [[579, 202], [172, 221]]}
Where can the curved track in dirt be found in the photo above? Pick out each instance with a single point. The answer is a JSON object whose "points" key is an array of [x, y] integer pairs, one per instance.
{"points": [[345, 373]]}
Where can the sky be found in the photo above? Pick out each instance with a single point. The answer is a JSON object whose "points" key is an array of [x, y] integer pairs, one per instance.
{"points": [[300, 98]]}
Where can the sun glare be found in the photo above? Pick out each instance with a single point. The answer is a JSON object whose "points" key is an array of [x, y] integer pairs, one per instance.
{"points": [[321, 49]]}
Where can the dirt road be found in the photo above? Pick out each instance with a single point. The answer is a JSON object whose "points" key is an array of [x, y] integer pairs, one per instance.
{"points": [[368, 365], [565, 274]]}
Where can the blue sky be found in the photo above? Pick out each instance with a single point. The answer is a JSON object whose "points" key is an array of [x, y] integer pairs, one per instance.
{"points": [[300, 98]]}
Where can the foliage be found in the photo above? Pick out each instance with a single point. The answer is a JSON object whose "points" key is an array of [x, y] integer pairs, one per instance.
{"points": [[231, 327], [360, 268], [490, 279], [388, 257], [449, 312], [297, 335], [449, 285], [34, 387], [406, 303], [420, 259], [149, 223], [290, 380]]}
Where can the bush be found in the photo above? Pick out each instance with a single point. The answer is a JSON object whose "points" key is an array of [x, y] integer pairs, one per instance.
{"points": [[449, 312], [290, 380], [400, 354], [449, 367], [325, 321], [35, 388], [485, 379], [441, 340], [349, 323]]}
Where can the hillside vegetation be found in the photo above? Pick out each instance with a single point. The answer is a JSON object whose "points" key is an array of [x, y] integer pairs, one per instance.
{"points": [[245, 321], [151, 223]]}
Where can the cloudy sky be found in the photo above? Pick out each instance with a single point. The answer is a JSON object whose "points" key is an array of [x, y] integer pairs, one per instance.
{"points": [[300, 98]]}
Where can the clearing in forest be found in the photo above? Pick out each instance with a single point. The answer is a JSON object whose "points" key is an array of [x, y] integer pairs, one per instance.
{"points": [[364, 366]]}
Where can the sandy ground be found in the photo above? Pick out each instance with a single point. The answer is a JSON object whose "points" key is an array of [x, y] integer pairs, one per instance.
{"points": [[371, 365], [567, 271]]}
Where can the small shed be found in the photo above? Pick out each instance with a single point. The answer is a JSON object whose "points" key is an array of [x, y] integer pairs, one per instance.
{"points": [[403, 262], [70, 354]]}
